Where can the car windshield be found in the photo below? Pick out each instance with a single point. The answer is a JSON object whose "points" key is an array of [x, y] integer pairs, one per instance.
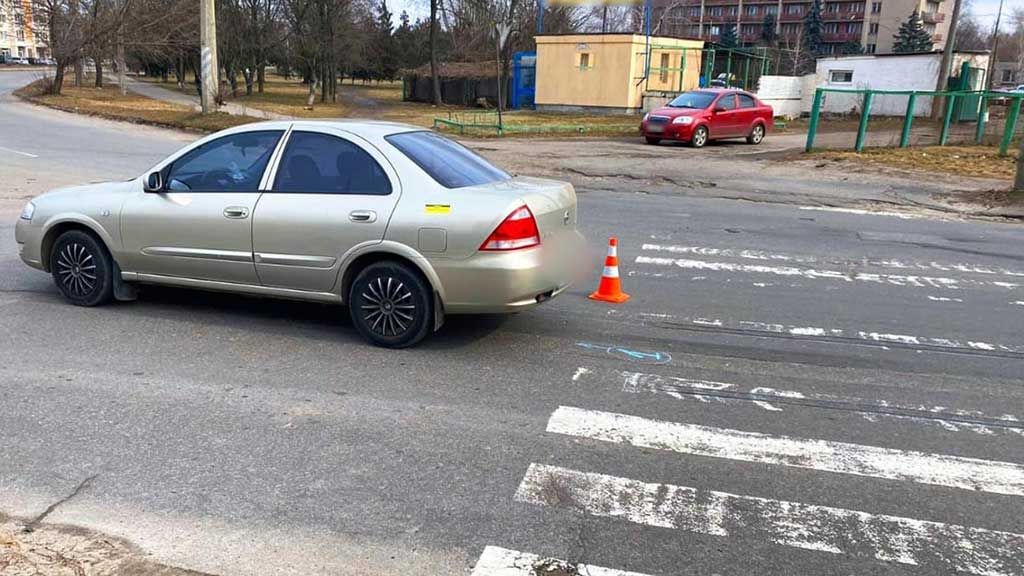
{"points": [[693, 100], [449, 163]]}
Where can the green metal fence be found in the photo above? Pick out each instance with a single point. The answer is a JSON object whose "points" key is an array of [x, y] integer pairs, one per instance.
{"points": [[980, 98]]}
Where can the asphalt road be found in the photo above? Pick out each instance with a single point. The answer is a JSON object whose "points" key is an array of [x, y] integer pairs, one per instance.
{"points": [[877, 361]]}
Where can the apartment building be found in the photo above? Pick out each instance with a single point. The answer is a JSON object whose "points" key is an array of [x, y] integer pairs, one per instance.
{"points": [[871, 23], [19, 34]]}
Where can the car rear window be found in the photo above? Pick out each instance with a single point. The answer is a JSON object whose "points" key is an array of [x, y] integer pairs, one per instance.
{"points": [[451, 164]]}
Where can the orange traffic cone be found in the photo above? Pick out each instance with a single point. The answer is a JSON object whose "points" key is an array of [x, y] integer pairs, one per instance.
{"points": [[610, 289]]}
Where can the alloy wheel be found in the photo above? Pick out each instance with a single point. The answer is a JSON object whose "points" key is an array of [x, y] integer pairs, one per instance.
{"points": [[389, 308], [758, 134], [700, 137], [76, 269]]}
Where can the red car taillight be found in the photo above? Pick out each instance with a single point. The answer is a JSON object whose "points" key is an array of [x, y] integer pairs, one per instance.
{"points": [[517, 231]]}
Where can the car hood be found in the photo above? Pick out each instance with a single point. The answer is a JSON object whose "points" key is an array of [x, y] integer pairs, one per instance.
{"points": [[675, 112], [87, 191]]}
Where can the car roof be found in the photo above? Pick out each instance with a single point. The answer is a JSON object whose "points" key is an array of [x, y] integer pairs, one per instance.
{"points": [[376, 128]]}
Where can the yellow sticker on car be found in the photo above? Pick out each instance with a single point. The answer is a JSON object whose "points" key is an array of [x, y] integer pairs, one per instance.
{"points": [[439, 208]]}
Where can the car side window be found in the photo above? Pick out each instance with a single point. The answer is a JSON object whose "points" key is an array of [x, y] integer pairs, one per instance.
{"points": [[746, 101], [233, 163], [728, 102], [315, 163]]}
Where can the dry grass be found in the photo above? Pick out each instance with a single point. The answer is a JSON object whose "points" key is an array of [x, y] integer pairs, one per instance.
{"points": [[108, 102], [383, 101], [972, 161]]}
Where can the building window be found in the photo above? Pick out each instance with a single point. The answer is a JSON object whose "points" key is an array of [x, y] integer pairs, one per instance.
{"points": [[870, 48], [876, 7], [840, 76], [715, 11], [731, 11], [929, 28], [832, 8], [771, 9], [1007, 76], [931, 7], [831, 28], [873, 28], [695, 11], [663, 74], [856, 7], [794, 9], [751, 10], [714, 30], [853, 27], [585, 61]]}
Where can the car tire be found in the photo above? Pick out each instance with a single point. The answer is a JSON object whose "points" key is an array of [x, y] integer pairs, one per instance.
{"points": [[699, 137], [756, 134], [82, 268], [391, 305], [651, 140]]}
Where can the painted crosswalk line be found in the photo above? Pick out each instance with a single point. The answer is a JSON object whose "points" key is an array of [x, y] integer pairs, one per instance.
{"points": [[496, 561], [821, 455], [805, 526], [777, 400]]}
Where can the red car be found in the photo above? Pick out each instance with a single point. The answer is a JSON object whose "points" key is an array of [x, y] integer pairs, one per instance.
{"points": [[709, 114]]}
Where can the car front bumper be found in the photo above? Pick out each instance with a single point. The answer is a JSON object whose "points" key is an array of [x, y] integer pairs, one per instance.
{"points": [[29, 239], [497, 282], [670, 132]]}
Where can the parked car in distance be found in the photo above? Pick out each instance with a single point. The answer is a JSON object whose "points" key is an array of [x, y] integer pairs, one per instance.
{"points": [[699, 116], [401, 224], [16, 61]]}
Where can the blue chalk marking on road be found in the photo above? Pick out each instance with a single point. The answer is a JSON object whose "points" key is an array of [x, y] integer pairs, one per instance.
{"points": [[640, 356]]}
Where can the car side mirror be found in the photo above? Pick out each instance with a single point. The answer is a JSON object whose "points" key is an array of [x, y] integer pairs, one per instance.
{"points": [[154, 183]]}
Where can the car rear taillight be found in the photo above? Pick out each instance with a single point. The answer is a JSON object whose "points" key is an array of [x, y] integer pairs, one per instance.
{"points": [[517, 231]]}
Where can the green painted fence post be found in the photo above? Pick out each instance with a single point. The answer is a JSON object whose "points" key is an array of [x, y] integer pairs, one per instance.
{"points": [[908, 121], [862, 128], [979, 130], [947, 119], [1011, 123], [812, 128]]}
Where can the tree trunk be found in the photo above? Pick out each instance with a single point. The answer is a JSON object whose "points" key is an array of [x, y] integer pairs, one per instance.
{"points": [[99, 71], [435, 80], [247, 74], [311, 99], [58, 78], [122, 73], [79, 73], [261, 77]]}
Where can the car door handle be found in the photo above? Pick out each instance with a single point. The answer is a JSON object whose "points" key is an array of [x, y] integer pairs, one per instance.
{"points": [[362, 216], [236, 212]]}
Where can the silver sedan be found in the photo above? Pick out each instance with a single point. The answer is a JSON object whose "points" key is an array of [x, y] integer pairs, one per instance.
{"points": [[400, 224]]}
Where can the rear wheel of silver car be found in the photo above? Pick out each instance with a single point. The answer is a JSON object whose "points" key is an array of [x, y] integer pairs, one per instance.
{"points": [[756, 135], [700, 137], [82, 268], [391, 305]]}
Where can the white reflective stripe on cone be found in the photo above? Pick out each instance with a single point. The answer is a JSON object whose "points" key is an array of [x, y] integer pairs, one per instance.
{"points": [[611, 272], [613, 250]]}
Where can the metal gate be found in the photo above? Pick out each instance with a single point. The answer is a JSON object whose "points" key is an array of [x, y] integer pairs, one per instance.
{"points": [[524, 79]]}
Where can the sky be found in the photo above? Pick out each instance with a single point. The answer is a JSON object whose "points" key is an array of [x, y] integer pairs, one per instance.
{"points": [[984, 10]]}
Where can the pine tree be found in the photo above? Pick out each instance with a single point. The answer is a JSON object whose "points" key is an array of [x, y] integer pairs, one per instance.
{"points": [[813, 29], [912, 37], [850, 48], [386, 64], [768, 35], [728, 38]]}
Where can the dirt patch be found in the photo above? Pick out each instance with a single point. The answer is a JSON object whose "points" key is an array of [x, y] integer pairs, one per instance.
{"points": [[108, 102], [986, 198], [54, 550], [552, 567], [971, 161]]}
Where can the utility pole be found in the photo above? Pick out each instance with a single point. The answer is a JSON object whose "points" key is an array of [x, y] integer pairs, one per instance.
{"points": [[947, 62], [208, 55], [994, 56]]}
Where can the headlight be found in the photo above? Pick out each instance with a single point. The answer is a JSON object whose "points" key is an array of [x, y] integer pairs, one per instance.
{"points": [[683, 120], [28, 211]]}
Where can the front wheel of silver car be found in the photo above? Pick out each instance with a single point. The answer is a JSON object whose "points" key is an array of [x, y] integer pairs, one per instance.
{"points": [[391, 305], [82, 268]]}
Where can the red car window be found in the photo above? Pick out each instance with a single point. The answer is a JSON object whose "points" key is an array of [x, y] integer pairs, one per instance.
{"points": [[747, 101], [727, 101]]}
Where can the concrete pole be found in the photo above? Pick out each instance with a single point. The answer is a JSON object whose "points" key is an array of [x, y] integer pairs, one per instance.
{"points": [[993, 57], [947, 63], [208, 55]]}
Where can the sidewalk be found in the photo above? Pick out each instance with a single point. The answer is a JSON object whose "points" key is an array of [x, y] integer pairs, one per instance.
{"points": [[175, 97]]}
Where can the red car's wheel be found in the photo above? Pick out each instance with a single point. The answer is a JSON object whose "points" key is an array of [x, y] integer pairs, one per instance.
{"points": [[756, 134], [700, 137]]}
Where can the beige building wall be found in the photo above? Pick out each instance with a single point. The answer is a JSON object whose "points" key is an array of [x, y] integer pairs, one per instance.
{"points": [[18, 36], [891, 14], [605, 72]]}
